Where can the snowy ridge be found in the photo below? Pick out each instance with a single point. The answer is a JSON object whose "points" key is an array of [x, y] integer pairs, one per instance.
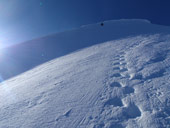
{"points": [[120, 21], [117, 84], [25, 56]]}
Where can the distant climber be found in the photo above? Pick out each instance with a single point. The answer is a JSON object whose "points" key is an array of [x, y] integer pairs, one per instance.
{"points": [[102, 24]]}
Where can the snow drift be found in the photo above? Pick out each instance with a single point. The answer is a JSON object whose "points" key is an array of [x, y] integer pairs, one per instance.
{"points": [[122, 82]]}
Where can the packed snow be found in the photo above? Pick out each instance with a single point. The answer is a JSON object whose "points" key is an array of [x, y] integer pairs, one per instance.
{"points": [[122, 82]]}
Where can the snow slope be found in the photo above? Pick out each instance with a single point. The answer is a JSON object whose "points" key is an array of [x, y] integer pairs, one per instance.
{"points": [[124, 82], [24, 56]]}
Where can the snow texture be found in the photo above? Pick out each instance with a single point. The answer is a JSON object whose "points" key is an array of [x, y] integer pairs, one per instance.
{"points": [[123, 82]]}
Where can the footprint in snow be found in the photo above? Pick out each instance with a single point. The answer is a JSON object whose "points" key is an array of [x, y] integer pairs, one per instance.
{"points": [[116, 63], [128, 90], [116, 101], [116, 75], [132, 111], [122, 52], [115, 84], [125, 74], [123, 70], [122, 63], [116, 68], [117, 58], [121, 59]]}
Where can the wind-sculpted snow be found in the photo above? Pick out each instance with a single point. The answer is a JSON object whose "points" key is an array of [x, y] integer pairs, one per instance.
{"points": [[117, 84]]}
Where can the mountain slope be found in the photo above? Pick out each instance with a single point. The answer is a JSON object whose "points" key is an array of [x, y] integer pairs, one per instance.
{"points": [[117, 84], [24, 56]]}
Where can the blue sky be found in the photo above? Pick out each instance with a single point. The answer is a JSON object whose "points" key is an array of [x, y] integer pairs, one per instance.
{"points": [[22, 20]]}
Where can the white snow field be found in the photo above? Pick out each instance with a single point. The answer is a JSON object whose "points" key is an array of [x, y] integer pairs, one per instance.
{"points": [[123, 82]]}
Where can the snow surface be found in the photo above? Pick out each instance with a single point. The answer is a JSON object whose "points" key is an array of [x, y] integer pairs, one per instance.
{"points": [[24, 56], [124, 82]]}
